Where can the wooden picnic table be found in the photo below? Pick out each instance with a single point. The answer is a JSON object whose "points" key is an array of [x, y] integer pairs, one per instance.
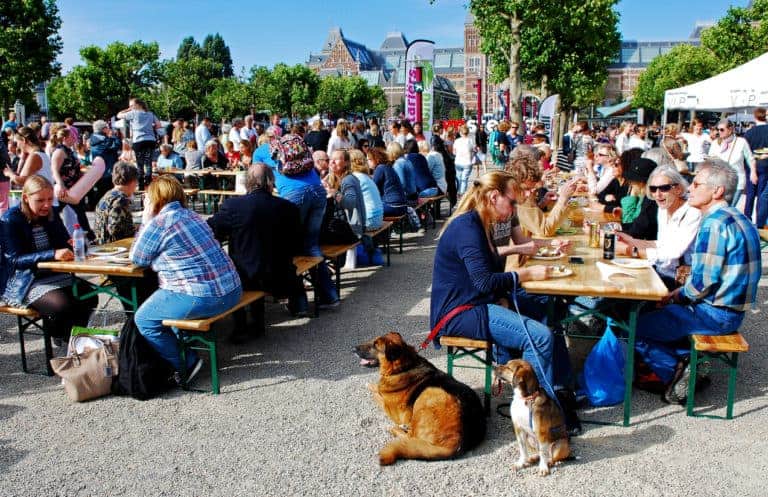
{"points": [[100, 265], [633, 286]]}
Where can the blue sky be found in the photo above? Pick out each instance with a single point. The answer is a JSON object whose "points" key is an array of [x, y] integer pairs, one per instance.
{"points": [[266, 32]]}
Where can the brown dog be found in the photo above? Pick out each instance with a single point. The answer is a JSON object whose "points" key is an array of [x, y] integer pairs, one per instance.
{"points": [[436, 417], [538, 421]]}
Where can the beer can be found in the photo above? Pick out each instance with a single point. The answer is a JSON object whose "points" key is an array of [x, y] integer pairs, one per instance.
{"points": [[594, 234], [609, 245]]}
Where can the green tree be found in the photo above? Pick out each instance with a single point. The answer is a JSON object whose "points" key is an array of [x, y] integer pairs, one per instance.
{"points": [[229, 98], [683, 65], [188, 48], [108, 78], [215, 49], [740, 36], [189, 82], [29, 45], [293, 89], [330, 95], [563, 46]]}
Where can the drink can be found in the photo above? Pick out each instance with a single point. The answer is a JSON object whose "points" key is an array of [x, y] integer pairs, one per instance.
{"points": [[609, 245], [594, 234]]}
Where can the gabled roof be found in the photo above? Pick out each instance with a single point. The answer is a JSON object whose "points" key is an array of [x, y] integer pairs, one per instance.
{"points": [[395, 40], [333, 36], [360, 53]]}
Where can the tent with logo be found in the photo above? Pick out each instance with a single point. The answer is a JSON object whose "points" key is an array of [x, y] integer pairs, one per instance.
{"points": [[741, 88]]}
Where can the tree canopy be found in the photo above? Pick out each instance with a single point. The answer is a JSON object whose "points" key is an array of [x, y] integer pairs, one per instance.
{"points": [[740, 36], [29, 45]]}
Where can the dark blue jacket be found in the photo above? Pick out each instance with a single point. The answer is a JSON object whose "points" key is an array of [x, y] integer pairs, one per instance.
{"points": [[19, 255], [106, 147], [422, 176], [757, 138], [390, 188], [467, 271]]}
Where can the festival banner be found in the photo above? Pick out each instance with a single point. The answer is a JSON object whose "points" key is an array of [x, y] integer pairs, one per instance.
{"points": [[420, 75], [547, 113]]}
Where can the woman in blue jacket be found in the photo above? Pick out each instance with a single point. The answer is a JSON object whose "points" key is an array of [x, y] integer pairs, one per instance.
{"points": [[31, 233], [468, 272]]}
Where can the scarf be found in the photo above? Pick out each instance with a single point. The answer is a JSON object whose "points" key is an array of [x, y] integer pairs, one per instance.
{"points": [[725, 143]]}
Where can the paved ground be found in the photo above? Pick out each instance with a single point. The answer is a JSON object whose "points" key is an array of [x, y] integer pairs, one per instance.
{"points": [[295, 418]]}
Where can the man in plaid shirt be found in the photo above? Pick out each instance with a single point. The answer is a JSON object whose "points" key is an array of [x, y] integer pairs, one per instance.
{"points": [[725, 270]]}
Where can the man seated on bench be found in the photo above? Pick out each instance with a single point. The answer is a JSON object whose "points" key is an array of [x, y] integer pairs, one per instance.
{"points": [[264, 233], [197, 279], [725, 270]]}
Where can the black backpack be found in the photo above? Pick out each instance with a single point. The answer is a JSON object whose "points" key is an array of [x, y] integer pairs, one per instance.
{"points": [[143, 373]]}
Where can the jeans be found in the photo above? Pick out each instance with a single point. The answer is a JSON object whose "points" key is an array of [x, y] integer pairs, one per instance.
{"points": [[143, 151], [546, 352], [164, 304], [662, 334], [429, 192], [463, 172], [311, 203], [762, 204], [756, 195]]}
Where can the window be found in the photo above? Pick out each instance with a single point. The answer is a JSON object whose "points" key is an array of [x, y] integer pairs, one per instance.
{"points": [[647, 54], [473, 63], [443, 60], [391, 61], [458, 60], [630, 55]]}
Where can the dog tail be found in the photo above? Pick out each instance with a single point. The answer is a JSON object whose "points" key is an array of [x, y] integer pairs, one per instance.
{"points": [[414, 448]]}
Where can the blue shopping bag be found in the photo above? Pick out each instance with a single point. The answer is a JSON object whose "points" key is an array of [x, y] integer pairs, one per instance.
{"points": [[603, 376]]}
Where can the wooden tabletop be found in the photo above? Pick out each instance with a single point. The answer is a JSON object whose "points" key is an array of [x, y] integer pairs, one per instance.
{"points": [[587, 280], [94, 265], [227, 172]]}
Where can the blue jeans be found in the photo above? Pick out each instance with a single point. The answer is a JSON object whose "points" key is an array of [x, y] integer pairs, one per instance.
{"points": [[164, 304], [661, 333], [463, 172], [429, 192], [546, 352], [757, 194], [311, 203]]}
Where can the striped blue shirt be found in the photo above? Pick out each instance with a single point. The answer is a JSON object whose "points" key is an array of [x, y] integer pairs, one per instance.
{"points": [[180, 247], [726, 264]]}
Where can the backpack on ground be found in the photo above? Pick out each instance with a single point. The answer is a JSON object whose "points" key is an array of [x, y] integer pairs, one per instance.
{"points": [[143, 373]]}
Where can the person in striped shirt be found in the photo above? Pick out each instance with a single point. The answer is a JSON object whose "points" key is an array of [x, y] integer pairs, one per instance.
{"points": [[197, 279], [725, 270]]}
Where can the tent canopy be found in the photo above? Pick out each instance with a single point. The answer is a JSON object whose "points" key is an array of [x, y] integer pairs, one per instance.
{"points": [[742, 87], [612, 110]]}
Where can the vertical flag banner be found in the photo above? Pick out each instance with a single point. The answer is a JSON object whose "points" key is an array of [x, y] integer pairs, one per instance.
{"points": [[547, 112], [420, 76]]}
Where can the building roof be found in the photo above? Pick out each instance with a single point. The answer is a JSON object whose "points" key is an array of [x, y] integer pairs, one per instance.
{"points": [[395, 40]]}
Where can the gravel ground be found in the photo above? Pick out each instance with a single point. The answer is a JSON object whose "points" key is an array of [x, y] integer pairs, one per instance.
{"points": [[295, 418]]}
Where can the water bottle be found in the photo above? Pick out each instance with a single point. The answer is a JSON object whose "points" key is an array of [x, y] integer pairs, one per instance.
{"points": [[78, 241]]}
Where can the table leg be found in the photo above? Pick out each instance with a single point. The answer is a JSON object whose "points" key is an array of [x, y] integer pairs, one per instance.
{"points": [[629, 366]]}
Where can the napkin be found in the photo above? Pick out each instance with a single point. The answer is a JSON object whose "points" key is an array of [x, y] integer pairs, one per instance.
{"points": [[607, 271]]}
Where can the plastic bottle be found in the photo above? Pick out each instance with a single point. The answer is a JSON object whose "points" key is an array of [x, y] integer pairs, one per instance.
{"points": [[78, 241]]}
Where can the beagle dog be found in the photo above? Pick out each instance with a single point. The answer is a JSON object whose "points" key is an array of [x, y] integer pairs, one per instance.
{"points": [[538, 421]]}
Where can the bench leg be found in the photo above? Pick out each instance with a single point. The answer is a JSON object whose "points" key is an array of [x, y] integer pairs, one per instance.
{"points": [[733, 369], [387, 244], [208, 345], [694, 363], [314, 277], [451, 351], [488, 380], [21, 345], [24, 323], [402, 227]]}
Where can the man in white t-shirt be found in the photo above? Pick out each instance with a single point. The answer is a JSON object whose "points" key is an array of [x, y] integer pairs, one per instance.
{"points": [[248, 132], [698, 144], [637, 140], [234, 133]]}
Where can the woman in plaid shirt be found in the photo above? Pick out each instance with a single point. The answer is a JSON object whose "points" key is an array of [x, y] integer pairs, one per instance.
{"points": [[197, 279]]}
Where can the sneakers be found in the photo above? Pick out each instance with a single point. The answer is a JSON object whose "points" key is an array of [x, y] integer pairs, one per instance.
{"points": [[330, 305], [677, 390], [191, 375]]}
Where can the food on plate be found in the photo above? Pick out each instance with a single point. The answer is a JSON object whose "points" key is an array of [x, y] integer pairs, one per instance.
{"points": [[548, 252]]}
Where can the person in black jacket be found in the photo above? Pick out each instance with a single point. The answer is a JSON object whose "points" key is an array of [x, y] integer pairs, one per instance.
{"points": [[31, 233], [264, 233], [317, 139], [618, 188], [438, 145], [645, 226]]}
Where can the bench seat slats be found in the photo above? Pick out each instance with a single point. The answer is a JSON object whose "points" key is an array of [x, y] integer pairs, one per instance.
{"points": [[205, 324]]}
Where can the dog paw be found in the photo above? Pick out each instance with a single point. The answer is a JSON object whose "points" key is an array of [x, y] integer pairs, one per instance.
{"points": [[387, 457], [543, 470], [520, 465], [533, 460]]}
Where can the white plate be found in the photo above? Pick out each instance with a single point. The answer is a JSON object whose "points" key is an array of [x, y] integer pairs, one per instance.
{"points": [[561, 274], [632, 263], [106, 250], [547, 257]]}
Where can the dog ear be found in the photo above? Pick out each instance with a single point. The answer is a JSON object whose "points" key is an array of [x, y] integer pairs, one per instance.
{"points": [[393, 351], [528, 380]]}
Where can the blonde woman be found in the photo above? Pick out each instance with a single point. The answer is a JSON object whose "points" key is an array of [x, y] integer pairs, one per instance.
{"points": [[340, 138], [374, 207], [469, 285], [464, 150]]}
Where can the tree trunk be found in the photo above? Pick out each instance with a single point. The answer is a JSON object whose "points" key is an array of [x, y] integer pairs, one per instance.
{"points": [[515, 77], [544, 91]]}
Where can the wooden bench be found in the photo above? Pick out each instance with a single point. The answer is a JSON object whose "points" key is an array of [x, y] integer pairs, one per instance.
{"points": [[399, 223], [215, 197], [724, 348], [386, 229], [431, 204], [459, 347], [306, 267], [26, 319], [198, 331], [334, 254]]}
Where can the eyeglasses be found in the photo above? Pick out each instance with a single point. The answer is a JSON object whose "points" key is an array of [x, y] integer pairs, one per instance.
{"points": [[722, 129], [661, 188]]}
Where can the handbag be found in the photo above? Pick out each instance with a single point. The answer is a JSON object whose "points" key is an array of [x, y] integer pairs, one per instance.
{"points": [[89, 368], [143, 373], [335, 229]]}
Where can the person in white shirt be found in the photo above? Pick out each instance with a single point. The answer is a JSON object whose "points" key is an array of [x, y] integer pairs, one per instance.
{"points": [[203, 133], [735, 151], [234, 133], [678, 225], [248, 132], [339, 138], [637, 140], [622, 138], [600, 169], [464, 148], [697, 142]]}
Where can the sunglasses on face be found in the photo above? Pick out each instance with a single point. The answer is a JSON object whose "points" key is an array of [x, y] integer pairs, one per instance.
{"points": [[722, 129], [661, 188]]}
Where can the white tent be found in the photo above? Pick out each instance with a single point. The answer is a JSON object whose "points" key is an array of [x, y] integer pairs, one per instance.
{"points": [[742, 87]]}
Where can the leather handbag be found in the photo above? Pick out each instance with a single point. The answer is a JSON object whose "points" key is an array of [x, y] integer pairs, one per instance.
{"points": [[87, 374]]}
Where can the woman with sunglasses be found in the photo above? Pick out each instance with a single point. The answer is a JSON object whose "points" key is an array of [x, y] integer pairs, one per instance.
{"points": [[735, 151], [678, 223]]}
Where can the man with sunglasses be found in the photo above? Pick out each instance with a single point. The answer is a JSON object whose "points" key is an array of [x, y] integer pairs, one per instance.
{"points": [[725, 271]]}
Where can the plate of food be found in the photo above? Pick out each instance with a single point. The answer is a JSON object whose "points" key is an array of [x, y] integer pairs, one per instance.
{"points": [[560, 271], [761, 151], [548, 254], [123, 258], [106, 250], [627, 263]]}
